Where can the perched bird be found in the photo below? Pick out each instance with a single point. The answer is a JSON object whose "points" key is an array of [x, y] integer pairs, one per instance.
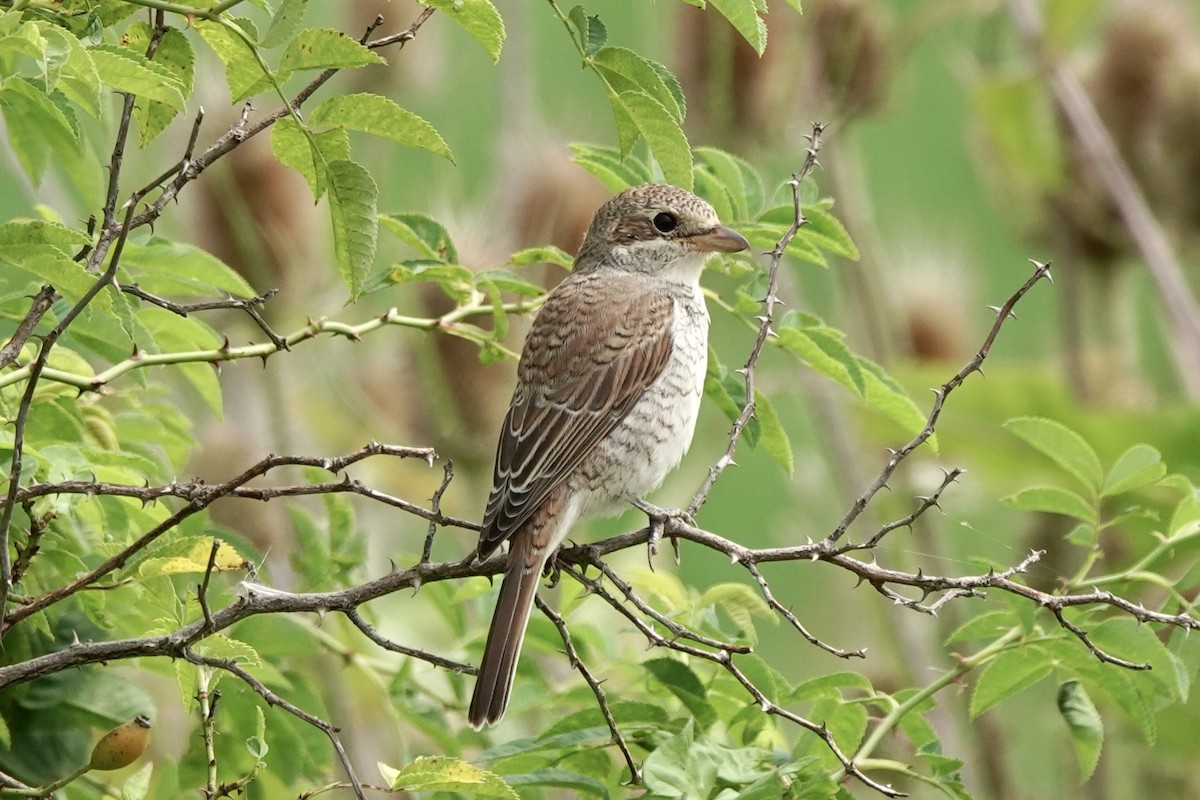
{"points": [[608, 389]]}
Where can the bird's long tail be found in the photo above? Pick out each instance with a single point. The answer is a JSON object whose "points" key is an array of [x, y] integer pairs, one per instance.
{"points": [[499, 664]]}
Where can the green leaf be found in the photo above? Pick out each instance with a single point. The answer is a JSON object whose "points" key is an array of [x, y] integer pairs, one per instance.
{"points": [[422, 233], [51, 266], [78, 79], [772, 436], [741, 603], [626, 71], [446, 774], [1009, 673], [1063, 445], [678, 768], [1054, 500], [679, 679], [455, 280], [352, 198], [821, 348], [506, 281], [884, 394], [541, 255], [824, 230], [38, 129], [1083, 720], [173, 268], [37, 231], [1140, 465], [479, 18], [591, 32], [615, 171], [127, 71], [174, 53], [988, 625], [285, 22], [741, 181], [662, 133], [308, 155], [379, 116], [743, 15], [243, 72], [325, 48]]}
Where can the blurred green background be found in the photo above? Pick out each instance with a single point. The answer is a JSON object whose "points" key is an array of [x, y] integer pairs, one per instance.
{"points": [[924, 99]]}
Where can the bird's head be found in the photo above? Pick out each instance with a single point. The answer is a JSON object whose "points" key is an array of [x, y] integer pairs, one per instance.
{"points": [[658, 230]]}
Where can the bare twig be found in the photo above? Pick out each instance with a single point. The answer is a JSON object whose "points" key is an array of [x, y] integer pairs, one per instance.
{"points": [[275, 700], [766, 320], [202, 496], [435, 505], [1003, 313], [355, 617], [37, 309], [635, 774]]}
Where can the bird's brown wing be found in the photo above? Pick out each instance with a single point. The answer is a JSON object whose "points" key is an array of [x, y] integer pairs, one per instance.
{"points": [[595, 347]]}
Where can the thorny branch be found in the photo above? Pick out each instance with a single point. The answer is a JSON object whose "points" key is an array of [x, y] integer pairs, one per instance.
{"points": [[256, 599], [766, 320]]}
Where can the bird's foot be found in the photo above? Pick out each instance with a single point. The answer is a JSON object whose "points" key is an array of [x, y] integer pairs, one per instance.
{"points": [[659, 517]]}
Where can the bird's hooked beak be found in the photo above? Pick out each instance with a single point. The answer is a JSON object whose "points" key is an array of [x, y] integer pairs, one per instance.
{"points": [[719, 240]]}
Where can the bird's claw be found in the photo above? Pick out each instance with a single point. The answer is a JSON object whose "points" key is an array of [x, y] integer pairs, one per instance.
{"points": [[658, 519]]}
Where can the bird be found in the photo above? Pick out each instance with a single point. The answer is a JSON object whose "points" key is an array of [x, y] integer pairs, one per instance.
{"points": [[608, 389]]}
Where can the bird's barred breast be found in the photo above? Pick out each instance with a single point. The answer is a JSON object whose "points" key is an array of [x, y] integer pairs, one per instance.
{"points": [[651, 441]]}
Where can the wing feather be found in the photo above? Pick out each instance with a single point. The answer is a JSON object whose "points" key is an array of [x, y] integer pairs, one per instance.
{"points": [[594, 349]]}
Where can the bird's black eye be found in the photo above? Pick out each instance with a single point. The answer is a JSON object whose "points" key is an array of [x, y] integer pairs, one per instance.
{"points": [[665, 222]]}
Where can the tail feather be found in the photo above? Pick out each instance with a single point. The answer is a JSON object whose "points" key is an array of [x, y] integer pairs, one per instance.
{"points": [[499, 664]]}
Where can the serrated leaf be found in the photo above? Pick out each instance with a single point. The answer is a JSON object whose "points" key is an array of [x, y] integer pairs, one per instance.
{"points": [[824, 230], [1009, 673], [1064, 446], [626, 71], [163, 267], [1054, 500], [743, 15], [78, 79], [681, 681], [615, 171], [285, 22], [772, 436], [379, 116], [1140, 465], [506, 281], [194, 560], [741, 603], [455, 280], [591, 32], [1083, 720], [38, 129], [886, 395], [541, 255], [325, 48], [422, 233], [37, 231], [479, 18], [988, 625], [352, 199], [174, 54], [127, 71], [447, 774], [662, 133], [306, 155], [822, 349], [51, 266], [741, 181], [243, 73]]}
